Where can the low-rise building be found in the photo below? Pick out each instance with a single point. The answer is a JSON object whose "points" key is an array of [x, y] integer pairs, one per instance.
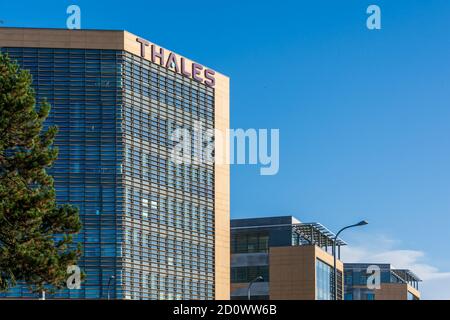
{"points": [[379, 281], [294, 260]]}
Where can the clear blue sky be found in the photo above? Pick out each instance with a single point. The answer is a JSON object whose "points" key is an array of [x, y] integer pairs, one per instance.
{"points": [[364, 116]]}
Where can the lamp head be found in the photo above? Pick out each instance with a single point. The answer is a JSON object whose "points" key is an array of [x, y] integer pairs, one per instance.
{"points": [[362, 223]]}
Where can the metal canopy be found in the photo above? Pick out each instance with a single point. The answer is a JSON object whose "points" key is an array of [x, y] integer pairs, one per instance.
{"points": [[406, 275], [316, 233]]}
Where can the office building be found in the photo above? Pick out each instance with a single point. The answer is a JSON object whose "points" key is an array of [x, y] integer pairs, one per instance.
{"points": [[393, 284], [294, 260], [160, 228]]}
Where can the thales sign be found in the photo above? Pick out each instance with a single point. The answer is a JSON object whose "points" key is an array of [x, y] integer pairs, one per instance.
{"points": [[172, 61]]}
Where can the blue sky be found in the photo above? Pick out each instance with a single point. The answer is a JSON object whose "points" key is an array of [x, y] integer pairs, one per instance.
{"points": [[363, 115]]}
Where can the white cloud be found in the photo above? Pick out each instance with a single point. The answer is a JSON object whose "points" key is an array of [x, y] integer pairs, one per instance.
{"points": [[381, 249]]}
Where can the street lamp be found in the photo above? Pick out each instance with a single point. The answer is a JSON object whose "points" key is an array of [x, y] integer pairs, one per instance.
{"points": [[258, 278], [109, 284], [359, 224]]}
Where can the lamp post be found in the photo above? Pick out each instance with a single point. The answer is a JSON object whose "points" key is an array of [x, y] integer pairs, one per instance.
{"points": [[258, 278], [359, 224], [109, 285]]}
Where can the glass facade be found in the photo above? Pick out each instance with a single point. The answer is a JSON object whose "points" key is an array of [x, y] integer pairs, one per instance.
{"points": [[146, 221], [168, 250], [250, 242], [324, 280], [247, 274], [359, 276], [411, 296], [325, 283]]}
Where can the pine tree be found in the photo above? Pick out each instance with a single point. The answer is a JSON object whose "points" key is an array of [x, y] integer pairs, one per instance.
{"points": [[35, 232]]}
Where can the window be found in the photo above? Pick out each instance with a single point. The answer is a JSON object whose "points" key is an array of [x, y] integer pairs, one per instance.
{"points": [[145, 208], [247, 274], [250, 243], [324, 281], [348, 278], [370, 296], [411, 296]]}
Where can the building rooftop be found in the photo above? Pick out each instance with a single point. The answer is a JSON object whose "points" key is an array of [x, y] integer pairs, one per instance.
{"points": [[81, 39], [263, 222], [309, 233], [315, 232], [407, 275]]}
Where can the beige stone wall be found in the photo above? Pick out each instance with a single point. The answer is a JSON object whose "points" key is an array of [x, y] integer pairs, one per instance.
{"points": [[222, 194], [61, 38], [395, 291], [293, 271], [414, 291], [392, 291]]}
